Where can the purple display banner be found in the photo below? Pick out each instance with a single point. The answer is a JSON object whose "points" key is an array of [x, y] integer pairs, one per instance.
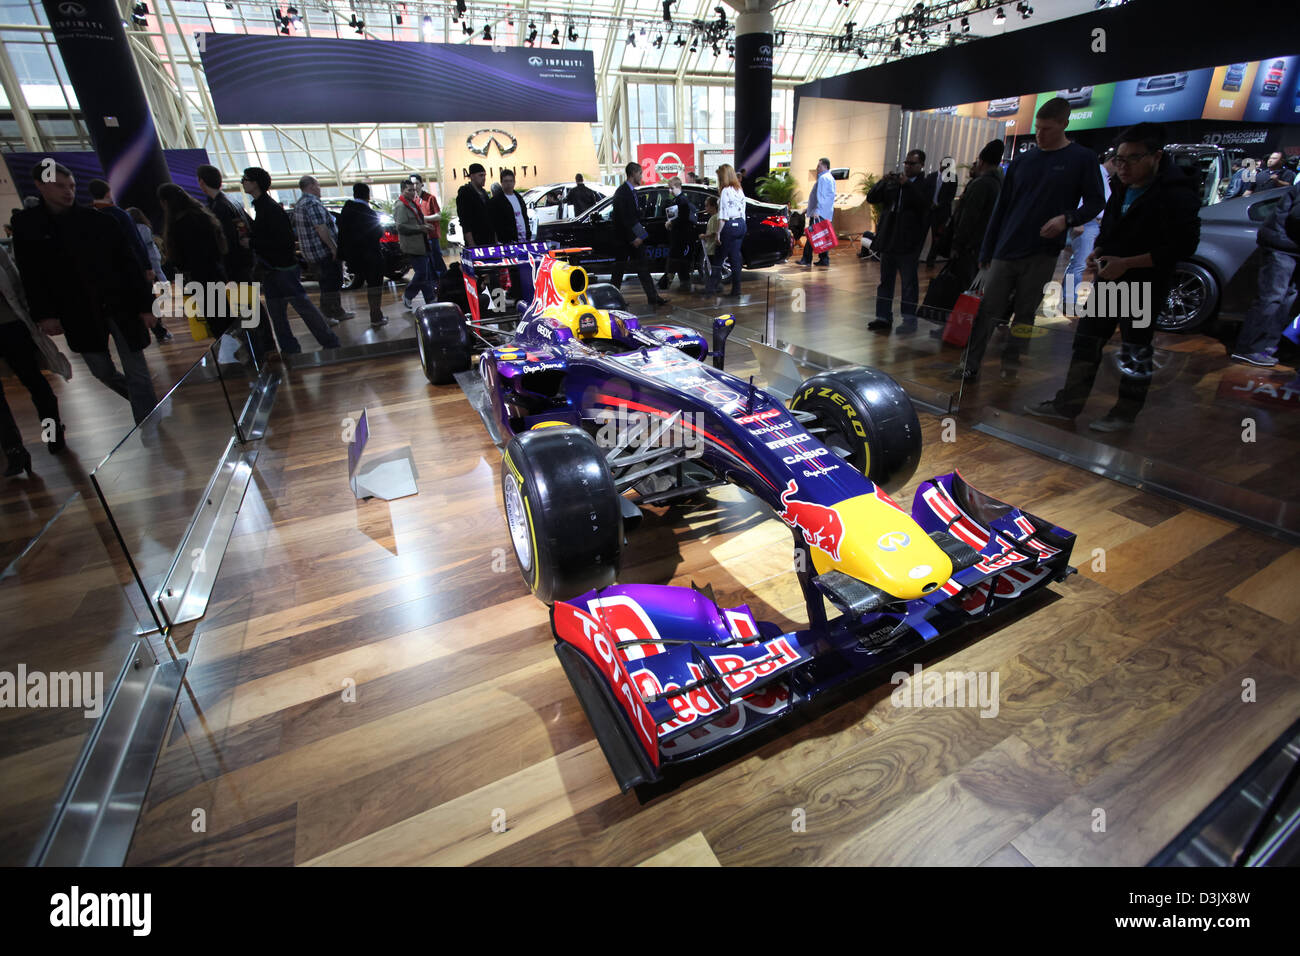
{"points": [[292, 80], [85, 166]]}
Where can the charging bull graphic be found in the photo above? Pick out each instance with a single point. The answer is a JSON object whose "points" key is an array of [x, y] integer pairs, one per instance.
{"points": [[821, 526]]}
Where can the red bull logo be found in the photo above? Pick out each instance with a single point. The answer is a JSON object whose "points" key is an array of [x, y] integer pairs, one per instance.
{"points": [[821, 526]]}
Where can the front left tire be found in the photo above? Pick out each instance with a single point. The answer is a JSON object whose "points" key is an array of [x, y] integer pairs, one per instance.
{"points": [[442, 338]]}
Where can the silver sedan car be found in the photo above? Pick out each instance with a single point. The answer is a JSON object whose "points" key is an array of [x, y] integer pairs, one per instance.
{"points": [[1223, 273]]}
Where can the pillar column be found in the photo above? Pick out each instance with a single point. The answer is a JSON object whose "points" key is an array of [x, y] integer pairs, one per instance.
{"points": [[754, 36], [92, 40]]}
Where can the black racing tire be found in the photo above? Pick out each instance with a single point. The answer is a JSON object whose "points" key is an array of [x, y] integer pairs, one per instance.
{"points": [[563, 512], [443, 340], [1192, 301], [604, 296], [868, 415]]}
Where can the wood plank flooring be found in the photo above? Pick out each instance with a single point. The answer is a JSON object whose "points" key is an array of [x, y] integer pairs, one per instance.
{"points": [[373, 684]]}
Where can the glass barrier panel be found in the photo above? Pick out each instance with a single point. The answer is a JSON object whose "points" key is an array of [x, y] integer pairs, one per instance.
{"points": [[68, 627], [155, 481]]}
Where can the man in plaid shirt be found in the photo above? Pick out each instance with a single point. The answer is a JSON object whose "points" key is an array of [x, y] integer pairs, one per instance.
{"points": [[318, 238]]}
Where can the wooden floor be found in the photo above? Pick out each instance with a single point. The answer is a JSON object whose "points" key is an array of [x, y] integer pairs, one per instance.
{"points": [[373, 684]]}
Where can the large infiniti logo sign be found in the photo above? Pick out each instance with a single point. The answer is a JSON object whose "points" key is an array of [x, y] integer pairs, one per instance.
{"points": [[69, 9], [481, 140], [534, 61]]}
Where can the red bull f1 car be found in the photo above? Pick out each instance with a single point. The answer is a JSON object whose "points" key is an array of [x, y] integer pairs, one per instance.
{"points": [[602, 415]]}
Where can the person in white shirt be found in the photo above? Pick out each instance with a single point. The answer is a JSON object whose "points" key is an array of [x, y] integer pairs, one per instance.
{"points": [[731, 213], [821, 205]]}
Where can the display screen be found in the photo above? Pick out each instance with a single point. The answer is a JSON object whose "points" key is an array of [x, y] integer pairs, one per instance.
{"points": [[292, 80], [1266, 90]]}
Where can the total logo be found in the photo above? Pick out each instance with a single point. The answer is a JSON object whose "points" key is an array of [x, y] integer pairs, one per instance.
{"points": [[480, 142]]}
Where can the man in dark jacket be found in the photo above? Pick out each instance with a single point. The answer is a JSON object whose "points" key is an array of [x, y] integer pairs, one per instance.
{"points": [[899, 240], [84, 282], [581, 197], [101, 195], [630, 236], [682, 236], [1279, 257], [1150, 223], [359, 233], [238, 260], [1045, 193], [941, 186], [508, 213], [472, 209], [274, 247]]}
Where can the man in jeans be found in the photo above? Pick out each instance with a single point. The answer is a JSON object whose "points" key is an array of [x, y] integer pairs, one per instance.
{"points": [[318, 238], [101, 199], [821, 205], [84, 282], [900, 237], [414, 233], [273, 245], [1046, 192], [1279, 269]]}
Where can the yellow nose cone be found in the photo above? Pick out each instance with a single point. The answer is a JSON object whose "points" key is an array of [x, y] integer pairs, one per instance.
{"points": [[884, 547]]}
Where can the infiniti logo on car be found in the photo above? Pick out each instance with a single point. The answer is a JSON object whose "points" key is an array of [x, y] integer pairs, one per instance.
{"points": [[893, 540], [480, 142]]}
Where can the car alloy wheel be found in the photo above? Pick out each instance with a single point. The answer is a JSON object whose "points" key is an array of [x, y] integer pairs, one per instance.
{"points": [[1191, 298], [518, 523]]}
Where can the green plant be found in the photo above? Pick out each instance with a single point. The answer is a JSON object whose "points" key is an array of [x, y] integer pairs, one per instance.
{"points": [[778, 187], [866, 181], [384, 205]]}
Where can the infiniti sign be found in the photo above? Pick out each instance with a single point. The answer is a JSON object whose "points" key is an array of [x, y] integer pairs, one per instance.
{"points": [[480, 142], [534, 61], [70, 9]]}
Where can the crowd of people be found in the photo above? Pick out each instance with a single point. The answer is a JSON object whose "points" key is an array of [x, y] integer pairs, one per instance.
{"points": [[1129, 218]]}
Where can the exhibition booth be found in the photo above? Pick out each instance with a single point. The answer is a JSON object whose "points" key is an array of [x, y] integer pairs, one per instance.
{"points": [[379, 502]]}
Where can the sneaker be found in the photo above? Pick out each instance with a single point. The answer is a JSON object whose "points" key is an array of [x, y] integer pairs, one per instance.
{"points": [[1010, 375], [879, 325], [1110, 423], [331, 320], [961, 373], [1262, 359], [379, 322], [907, 327], [345, 315], [1048, 409], [822, 262]]}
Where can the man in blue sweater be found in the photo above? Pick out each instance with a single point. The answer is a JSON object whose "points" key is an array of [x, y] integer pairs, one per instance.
{"points": [[1046, 192]]}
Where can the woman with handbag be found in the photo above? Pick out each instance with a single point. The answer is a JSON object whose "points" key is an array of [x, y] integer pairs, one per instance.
{"points": [[27, 350], [731, 213]]}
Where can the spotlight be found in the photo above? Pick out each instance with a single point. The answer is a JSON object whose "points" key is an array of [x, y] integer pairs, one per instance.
{"points": [[487, 31], [965, 24], [631, 38], [1000, 17], [399, 19], [898, 45], [668, 10], [466, 29], [555, 37], [532, 35], [460, 8], [140, 14], [717, 50], [680, 41], [361, 27], [1026, 11], [292, 11], [659, 41], [573, 33], [426, 29], [695, 44]]}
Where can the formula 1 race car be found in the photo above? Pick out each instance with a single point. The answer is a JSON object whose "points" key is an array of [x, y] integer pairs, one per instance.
{"points": [[601, 416]]}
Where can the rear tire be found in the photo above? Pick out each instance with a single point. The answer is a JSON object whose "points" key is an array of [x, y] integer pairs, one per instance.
{"points": [[605, 297], [867, 415], [443, 340], [1193, 299], [563, 512]]}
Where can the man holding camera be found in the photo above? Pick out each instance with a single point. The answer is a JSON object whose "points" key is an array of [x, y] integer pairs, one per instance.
{"points": [[902, 233]]}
